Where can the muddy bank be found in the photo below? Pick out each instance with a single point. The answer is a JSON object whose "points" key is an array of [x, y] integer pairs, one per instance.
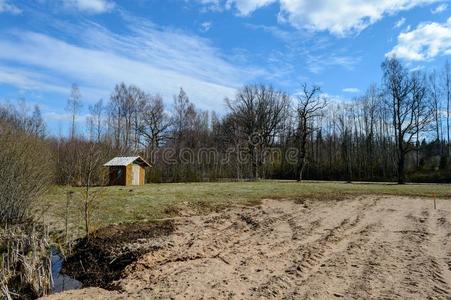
{"points": [[101, 259], [360, 248]]}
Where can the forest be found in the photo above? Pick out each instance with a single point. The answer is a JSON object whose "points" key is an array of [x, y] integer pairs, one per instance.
{"points": [[398, 130]]}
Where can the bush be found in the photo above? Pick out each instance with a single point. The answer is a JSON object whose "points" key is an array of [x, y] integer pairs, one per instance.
{"points": [[443, 162], [25, 173]]}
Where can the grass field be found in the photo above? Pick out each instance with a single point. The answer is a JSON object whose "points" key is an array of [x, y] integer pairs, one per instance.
{"points": [[154, 201]]}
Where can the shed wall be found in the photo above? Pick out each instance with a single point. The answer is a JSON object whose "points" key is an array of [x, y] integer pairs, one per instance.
{"points": [[129, 177], [124, 175], [142, 175]]}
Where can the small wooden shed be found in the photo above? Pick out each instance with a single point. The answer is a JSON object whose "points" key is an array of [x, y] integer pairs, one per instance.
{"points": [[127, 170]]}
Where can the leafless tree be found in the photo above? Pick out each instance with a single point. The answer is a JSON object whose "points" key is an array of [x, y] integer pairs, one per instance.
{"points": [[259, 111], [310, 105], [230, 134], [411, 112], [344, 125], [181, 115], [123, 110], [153, 124], [91, 163], [73, 107], [36, 125], [95, 120], [447, 92], [435, 94]]}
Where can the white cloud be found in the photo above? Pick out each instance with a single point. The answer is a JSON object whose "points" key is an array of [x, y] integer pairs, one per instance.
{"points": [[90, 6], [246, 7], [316, 63], [439, 9], [318, 53], [58, 116], [6, 7], [157, 60], [351, 90], [211, 5], [205, 26], [425, 42], [28, 80], [400, 22], [338, 17]]}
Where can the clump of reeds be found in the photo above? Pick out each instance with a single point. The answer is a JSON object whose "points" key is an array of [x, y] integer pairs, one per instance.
{"points": [[25, 262]]}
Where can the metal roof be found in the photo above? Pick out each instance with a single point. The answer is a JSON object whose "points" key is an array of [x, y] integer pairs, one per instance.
{"points": [[125, 161]]}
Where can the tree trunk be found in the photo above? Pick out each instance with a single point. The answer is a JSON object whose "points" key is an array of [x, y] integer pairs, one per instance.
{"points": [[301, 167], [447, 119], [349, 165], [254, 163], [401, 171]]}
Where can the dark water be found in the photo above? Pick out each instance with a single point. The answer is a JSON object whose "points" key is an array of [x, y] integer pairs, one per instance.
{"points": [[61, 282]]}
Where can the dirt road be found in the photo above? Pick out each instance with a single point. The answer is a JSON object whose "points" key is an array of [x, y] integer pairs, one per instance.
{"points": [[362, 248]]}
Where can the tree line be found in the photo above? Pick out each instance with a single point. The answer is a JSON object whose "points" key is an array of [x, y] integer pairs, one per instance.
{"points": [[398, 130]]}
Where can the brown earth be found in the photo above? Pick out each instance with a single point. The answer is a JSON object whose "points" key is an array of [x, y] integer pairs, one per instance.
{"points": [[362, 248], [101, 259]]}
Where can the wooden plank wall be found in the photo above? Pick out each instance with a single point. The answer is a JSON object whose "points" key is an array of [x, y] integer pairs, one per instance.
{"points": [[142, 175], [129, 175]]}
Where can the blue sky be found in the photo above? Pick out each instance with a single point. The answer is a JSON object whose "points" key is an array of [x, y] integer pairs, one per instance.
{"points": [[209, 47]]}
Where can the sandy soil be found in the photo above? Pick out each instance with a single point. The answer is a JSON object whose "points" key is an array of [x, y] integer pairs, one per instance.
{"points": [[363, 248]]}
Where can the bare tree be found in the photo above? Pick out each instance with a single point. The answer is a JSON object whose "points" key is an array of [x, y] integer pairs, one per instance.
{"points": [[182, 108], [447, 90], [153, 123], [344, 124], [230, 133], [310, 104], [91, 163], [411, 112], [73, 107], [259, 111], [36, 125], [123, 110], [435, 94], [95, 120], [371, 102]]}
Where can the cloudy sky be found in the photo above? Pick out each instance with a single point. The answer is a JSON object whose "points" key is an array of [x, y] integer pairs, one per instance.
{"points": [[209, 47]]}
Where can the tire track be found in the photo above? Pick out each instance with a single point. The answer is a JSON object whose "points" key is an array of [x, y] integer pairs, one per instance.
{"points": [[423, 274], [310, 257]]}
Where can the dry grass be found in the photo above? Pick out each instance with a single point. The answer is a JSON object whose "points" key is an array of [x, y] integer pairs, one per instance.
{"points": [[25, 270], [154, 201]]}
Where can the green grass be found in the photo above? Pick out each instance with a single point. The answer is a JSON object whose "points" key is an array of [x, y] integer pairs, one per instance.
{"points": [[154, 201]]}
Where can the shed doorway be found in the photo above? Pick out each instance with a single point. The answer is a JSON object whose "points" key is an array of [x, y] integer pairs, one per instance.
{"points": [[136, 172]]}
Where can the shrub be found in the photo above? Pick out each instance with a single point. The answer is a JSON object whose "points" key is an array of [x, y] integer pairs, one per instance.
{"points": [[443, 162], [25, 173]]}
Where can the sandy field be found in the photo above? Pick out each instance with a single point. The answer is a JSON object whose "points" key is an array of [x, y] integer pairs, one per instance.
{"points": [[368, 247]]}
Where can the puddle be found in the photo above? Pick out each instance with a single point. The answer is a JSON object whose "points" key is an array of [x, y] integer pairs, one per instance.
{"points": [[61, 282]]}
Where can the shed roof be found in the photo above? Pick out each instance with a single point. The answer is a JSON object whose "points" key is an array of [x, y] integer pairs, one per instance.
{"points": [[125, 161]]}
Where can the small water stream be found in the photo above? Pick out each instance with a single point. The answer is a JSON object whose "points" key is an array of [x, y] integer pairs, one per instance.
{"points": [[61, 282]]}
